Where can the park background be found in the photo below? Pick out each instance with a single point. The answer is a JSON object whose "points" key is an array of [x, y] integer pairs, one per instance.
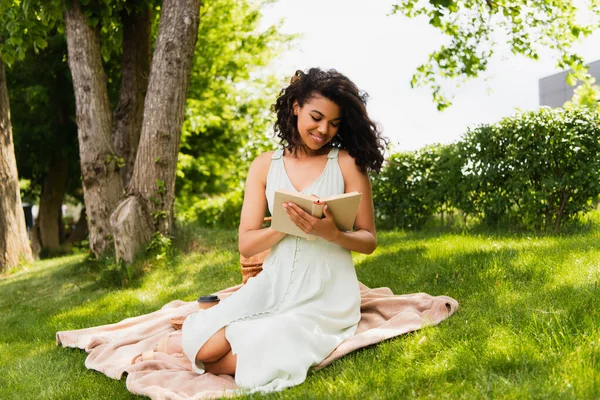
{"points": [[501, 214]]}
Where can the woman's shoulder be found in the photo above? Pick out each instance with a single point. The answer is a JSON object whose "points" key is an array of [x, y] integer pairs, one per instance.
{"points": [[347, 163], [262, 162], [263, 158], [344, 156]]}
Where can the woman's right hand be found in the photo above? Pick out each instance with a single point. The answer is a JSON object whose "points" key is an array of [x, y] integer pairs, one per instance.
{"points": [[324, 228]]}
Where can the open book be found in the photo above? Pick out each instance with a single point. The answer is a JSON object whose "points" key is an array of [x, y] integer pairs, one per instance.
{"points": [[343, 207]]}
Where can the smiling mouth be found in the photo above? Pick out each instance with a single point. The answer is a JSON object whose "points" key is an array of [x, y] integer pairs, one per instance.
{"points": [[317, 138]]}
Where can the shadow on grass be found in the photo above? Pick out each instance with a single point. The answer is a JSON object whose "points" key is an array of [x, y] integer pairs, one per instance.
{"points": [[518, 350], [541, 341], [62, 374], [422, 260], [72, 294], [526, 317]]}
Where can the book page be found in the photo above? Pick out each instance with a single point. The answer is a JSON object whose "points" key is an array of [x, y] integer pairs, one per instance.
{"points": [[343, 207], [281, 220]]}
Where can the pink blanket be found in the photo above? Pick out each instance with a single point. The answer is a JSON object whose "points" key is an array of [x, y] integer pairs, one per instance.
{"points": [[115, 349]]}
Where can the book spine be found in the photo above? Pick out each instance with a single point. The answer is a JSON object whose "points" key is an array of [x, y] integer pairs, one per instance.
{"points": [[317, 212]]}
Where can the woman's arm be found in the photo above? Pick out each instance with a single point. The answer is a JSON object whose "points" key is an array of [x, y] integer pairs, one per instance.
{"points": [[363, 238], [252, 238]]}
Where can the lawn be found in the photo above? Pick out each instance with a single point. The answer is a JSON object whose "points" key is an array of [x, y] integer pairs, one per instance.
{"points": [[528, 325]]}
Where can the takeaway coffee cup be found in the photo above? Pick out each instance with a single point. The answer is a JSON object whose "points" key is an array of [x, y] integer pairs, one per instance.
{"points": [[208, 301]]}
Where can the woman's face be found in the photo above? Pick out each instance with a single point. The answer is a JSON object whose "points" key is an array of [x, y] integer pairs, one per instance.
{"points": [[318, 121]]}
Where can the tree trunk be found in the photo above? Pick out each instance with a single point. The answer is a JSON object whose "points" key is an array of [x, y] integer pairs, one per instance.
{"points": [[102, 185], [34, 240], [49, 217], [80, 232], [14, 242], [135, 69], [561, 210], [151, 190]]}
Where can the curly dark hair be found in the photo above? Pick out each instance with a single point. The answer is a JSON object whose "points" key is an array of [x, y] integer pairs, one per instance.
{"points": [[357, 133]]}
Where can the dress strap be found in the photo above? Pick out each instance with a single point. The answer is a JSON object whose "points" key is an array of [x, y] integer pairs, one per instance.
{"points": [[277, 154], [333, 153]]}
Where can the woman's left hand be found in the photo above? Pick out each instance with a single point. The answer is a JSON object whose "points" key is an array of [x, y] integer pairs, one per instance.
{"points": [[324, 227]]}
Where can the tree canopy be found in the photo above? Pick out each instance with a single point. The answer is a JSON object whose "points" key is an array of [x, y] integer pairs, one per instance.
{"points": [[227, 112], [226, 105], [43, 116], [474, 28]]}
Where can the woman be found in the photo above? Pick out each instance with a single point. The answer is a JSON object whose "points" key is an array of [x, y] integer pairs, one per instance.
{"points": [[306, 301]]}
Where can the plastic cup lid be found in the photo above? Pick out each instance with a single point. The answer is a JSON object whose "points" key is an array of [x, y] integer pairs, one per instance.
{"points": [[208, 299]]}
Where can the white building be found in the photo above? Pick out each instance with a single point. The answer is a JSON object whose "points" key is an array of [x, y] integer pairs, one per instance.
{"points": [[554, 90]]}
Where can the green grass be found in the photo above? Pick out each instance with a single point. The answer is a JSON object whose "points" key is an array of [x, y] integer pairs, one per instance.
{"points": [[528, 325]]}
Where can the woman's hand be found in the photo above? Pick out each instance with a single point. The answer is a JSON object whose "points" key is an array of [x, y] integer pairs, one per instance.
{"points": [[324, 227]]}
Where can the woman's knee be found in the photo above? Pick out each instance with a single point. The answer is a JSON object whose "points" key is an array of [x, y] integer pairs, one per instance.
{"points": [[226, 365], [208, 354], [214, 348]]}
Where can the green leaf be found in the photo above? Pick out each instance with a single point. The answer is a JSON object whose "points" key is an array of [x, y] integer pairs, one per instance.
{"points": [[41, 43], [93, 21]]}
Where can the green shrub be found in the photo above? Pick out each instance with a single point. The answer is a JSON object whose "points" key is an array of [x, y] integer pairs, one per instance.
{"points": [[216, 212], [392, 189], [415, 186], [485, 174], [537, 169]]}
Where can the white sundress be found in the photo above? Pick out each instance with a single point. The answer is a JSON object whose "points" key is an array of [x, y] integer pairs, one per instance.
{"points": [[304, 303]]}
